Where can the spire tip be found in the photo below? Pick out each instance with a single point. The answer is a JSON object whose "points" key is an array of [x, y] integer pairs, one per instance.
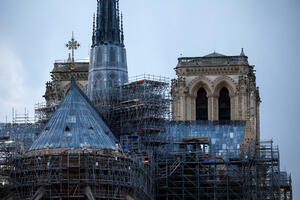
{"points": [[242, 52]]}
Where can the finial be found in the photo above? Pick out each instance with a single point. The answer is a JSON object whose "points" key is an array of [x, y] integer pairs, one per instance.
{"points": [[72, 45], [242, 52]]}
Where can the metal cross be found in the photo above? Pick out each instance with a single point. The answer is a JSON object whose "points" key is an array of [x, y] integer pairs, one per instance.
{"points": [[72, 45]]}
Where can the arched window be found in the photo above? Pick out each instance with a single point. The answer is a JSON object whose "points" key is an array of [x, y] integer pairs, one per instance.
{"points": [[224, 104], [201, 105]]}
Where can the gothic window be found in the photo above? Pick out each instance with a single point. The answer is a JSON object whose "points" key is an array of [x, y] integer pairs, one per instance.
{"points": [[201, 105], [224, 104]]}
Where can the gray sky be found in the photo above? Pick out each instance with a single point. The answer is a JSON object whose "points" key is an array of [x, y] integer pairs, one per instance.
{"points": [[33, 34]]}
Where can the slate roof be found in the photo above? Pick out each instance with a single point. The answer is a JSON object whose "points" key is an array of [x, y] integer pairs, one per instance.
{"points": [[75, 124], [214, 54]]}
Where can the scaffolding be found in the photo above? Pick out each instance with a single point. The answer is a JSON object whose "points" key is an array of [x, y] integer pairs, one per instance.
{"points": [[194, 173], [43, 112], [9, 149], [188, 166], [286, 190], [22, 118], [23, 133], [143, 107], [130, 143], [80, 174], [191, 172]]}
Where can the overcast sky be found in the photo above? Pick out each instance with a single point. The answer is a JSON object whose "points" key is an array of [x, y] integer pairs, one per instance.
{"points": [[33, 34]]}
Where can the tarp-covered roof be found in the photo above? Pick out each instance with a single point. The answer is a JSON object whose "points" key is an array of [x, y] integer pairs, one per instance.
{"points": [[225, 136], [75, 124]]}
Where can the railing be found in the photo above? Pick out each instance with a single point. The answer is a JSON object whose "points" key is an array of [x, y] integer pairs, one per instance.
{"points": [[76, 61], [213, 60], [150, 78], [43, 105]]}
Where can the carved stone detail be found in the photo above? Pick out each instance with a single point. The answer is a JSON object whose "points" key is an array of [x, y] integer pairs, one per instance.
{"points": [[213, 74]]}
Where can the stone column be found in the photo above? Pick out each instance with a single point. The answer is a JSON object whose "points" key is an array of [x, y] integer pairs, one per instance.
{"points": [[182, 108], [175, 109], [191, 107], [233, 115], [244, 106], [210, 105], [188, 108], [214, 107], [257, 121]]}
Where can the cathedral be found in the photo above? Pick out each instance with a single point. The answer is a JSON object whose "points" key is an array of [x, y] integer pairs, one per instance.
{"points": [[103, 136]]}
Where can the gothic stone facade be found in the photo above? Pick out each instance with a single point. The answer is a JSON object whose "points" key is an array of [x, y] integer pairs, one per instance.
{"points": [[212, 75], [61, 74]]}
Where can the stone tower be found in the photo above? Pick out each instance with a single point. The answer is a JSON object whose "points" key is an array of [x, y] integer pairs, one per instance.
{"points": [[108, 63], [217, 87]]}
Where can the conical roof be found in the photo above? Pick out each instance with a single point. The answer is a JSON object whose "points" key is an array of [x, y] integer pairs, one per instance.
{"points": [[75, 124]]}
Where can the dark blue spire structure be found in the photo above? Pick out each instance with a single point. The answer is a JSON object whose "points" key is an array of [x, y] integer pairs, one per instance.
{"points": [[108, 25], [108, 63]]}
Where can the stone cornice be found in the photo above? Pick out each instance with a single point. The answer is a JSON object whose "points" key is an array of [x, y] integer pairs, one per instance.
{"points": [[216, 70], [212, 61]]}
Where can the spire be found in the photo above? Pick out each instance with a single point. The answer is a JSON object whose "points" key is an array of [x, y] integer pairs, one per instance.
{"points": [[242, 52], [108, 23]]}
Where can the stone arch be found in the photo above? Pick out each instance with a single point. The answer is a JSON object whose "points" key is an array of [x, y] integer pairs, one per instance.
{"points": [[224, 81], [231, 86], [191, 91], [200, 82]]}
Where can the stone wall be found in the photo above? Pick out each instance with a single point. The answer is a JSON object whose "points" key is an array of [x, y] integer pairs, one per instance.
{"points": [[212, 74], [57, 88]]}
